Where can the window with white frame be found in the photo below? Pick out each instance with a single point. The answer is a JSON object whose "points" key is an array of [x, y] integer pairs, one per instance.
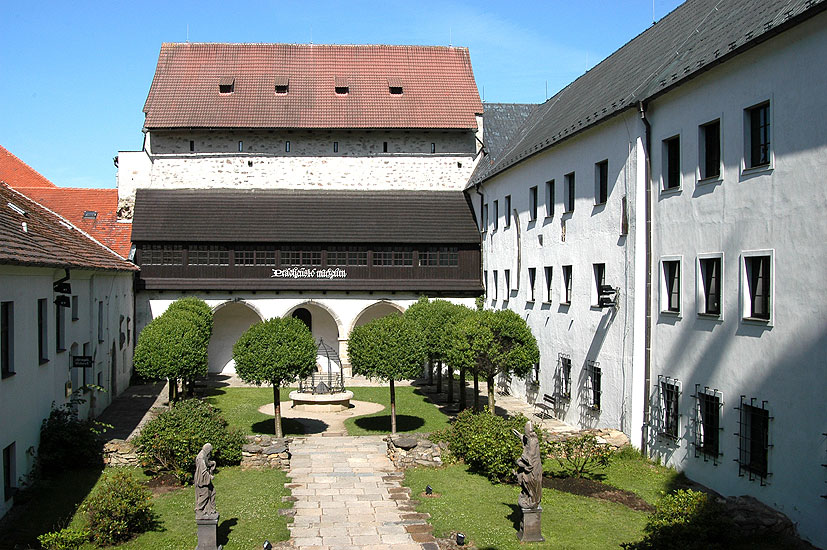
{"points": [[710, 284], [709, 163], [549, 271], [507, 212], [708, 405], [532, 278], [669, 390], [757, 285], [671, 163], [567, 284], [757, 153], [549, 198], [670, 285]]}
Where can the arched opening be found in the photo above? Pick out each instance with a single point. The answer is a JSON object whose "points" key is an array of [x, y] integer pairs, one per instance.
{"points": [[324, 328], [230, 321], [305, 317], [375, 311]]}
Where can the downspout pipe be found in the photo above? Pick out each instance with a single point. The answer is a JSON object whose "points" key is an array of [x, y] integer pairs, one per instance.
{"points": [[647, 358]]}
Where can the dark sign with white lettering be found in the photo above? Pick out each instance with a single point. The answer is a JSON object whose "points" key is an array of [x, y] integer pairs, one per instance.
{"points": [[82, 362]]}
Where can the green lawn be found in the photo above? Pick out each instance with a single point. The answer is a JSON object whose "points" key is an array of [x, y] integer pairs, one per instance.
{"points": [[414, 413]]}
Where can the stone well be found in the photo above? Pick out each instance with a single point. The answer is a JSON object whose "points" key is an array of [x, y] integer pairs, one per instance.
{"points": [[321, 402]]}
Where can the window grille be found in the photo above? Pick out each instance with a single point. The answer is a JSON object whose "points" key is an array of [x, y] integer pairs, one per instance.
{"points": [[247, 257], [707, 423], [669, 391], [162, 254], [347, 256], [442, 256], [563, 376], [208, 255], [753, 439], [396, 258], [594, 391], [294, 257]]}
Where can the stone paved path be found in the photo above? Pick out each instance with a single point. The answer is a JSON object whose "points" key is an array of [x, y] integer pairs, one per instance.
{"points": [[349, 497]]}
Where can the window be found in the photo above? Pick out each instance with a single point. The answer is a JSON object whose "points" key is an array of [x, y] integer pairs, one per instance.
{"points": [[532, 203], [87, 372], [757, 299], [60, 329], [708, 405], [670, 289], [201, 254], [753, 439], [162, 254], [567, 284], [442, 256], [484, 218], [341, 90], [550, 198], [601, 182], [281, 89], [709, 285], [345, 256], [286, 146], [192, 146], [281, 84], [507, 212], [495, 284], [569, 199], [507, 275], [292, 257], [75, 308], [240, 146], [532, 277], [395, 90], [226, 85], [9, 472], [710, 149], [599, 280], [335, 146], [668, 393], [564, 376], [485, 282], [42, 330], [250, 256], [384, 146], [594, 392], [393, 258], [433, 147], [496, 214], [758, 136], [7, 338], [100, 321], [548, 273], [672, 163]]}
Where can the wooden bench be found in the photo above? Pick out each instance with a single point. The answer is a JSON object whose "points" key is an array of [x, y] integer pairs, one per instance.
{"points": [[545, 406]]}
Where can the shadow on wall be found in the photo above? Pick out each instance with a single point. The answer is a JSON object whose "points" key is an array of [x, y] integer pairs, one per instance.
{"points": [[230, 321]]}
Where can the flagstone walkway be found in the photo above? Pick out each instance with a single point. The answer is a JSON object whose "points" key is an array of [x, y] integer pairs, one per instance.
{"points": [[348, 496]]}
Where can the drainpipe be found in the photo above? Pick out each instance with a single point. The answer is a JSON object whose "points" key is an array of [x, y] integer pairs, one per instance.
{"points": [[647, 360]]}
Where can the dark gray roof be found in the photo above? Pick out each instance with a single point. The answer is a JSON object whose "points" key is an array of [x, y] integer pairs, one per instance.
{"points": [[693, 38], [305, 216], [500, 121]]}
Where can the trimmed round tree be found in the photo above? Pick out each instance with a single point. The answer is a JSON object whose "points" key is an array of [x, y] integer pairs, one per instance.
{"points": [[390, 348], [277, 352]]}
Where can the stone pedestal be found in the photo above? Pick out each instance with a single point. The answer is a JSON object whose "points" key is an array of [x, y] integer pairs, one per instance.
{"points": [[530, 525], [207, 538]]}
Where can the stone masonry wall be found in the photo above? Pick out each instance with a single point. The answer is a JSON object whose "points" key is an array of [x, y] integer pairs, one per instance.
{"points": [[264, 451]]}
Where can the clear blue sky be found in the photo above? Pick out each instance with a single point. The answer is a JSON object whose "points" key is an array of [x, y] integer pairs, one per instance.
{"points": [[75, 74]]}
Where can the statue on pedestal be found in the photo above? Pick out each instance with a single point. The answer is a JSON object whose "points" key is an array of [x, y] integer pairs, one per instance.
{"points": [[529, 474], [204, 490]]}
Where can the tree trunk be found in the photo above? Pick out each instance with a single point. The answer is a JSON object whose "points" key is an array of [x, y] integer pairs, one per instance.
{"points": [[491, 394], [277, 409], [476, 392], [438, 377], [462, 402], [393, 408], [171, 385], [450, 374], [430, 372]]}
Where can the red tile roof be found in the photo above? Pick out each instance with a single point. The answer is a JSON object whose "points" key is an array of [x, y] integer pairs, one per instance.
{"points": [[72, 203], [439, 90], [18, 174], [32, 235]]}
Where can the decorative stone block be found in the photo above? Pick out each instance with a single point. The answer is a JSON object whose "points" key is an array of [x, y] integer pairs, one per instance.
{"points": [[530, 525], [207, 534]]}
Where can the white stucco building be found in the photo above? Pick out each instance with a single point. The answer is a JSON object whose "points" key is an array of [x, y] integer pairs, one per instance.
{"points": [[695, 154]]}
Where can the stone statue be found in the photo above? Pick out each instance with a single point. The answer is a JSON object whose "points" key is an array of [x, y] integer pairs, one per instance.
{"points": [[530, 469], [204, 490]]}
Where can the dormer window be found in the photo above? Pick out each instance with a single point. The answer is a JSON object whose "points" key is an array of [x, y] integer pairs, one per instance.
{"points": [[282, 84], [90, 215], [226, 85], [341, 85], [395, 86]]}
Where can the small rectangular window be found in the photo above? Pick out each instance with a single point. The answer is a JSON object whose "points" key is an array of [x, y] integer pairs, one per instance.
{"points": [[671, 286], [708, 405], [484, 218], [240, 146], [507, 212], [226, 85], [507, 288], [710, 161], [100, 321], [433, 147], [672, 163], [564, 376], [532, 276], [384, 146], [570, 188], [341, 85], [485, 285], [286, 146], [281, 89], [60, 329], [192, 146], [669, 391], [601, 182], [753, 439], [9, 471], [599, 281], [548, 274], [550, 198], [42, 330], [709, 279], [595, 391], [758, 136], [532, 203], [7, 338], [567, 284], [496, 219], [395, 90], [496, 284], [759, 290], [335, 146]]}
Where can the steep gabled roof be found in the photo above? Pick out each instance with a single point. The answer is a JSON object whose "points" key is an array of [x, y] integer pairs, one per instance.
{"points": [[95, 211], [33, 235], [500, 121], [18, 174], [234, 86], [303, 216], [696, 36]]}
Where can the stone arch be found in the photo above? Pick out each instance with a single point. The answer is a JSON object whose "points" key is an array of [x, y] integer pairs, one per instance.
{"points": [[324, 323], [374, 311], [230, 320]]}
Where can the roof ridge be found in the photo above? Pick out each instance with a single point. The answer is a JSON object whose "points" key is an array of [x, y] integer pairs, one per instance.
{"points": [[27, 165], [311, 44]]}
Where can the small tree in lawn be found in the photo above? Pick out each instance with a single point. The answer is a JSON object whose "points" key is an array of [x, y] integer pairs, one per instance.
{"points": [[389, 348], [277, 352], [496, 342]]}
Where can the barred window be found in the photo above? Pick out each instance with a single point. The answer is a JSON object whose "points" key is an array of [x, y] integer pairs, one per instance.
{"points": [[253, 256], [162, 254], [564, 376], [668, 393], [708, 405], [296, 257], [200, 254], [594, 390], [753, 439]]}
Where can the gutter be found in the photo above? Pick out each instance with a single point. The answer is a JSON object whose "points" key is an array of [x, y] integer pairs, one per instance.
{"points": [[647, 360]]}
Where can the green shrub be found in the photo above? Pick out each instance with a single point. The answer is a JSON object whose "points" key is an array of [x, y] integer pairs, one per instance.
{"points": [[486, 443], [69, 538], [171, 441], [580, 456], [685, 520], [66, 442], [118, 510]]}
